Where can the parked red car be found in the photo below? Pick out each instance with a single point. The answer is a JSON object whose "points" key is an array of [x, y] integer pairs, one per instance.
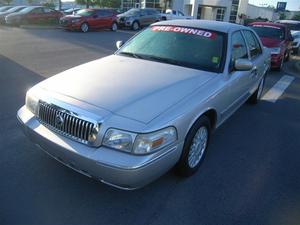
{"points": [[278, 38], [87, 19], [34, 15]]}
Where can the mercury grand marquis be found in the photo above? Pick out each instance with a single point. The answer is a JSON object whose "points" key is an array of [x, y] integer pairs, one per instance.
{"points": [[128, 118]]}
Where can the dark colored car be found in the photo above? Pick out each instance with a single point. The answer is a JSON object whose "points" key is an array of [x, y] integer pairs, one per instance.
{"points": [[7, 12], [34, 15], [5, 8], [137, 18], [86, 19], [278, 38]]}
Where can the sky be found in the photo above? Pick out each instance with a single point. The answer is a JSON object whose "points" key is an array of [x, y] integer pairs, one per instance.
{"points": [[293, 5]]}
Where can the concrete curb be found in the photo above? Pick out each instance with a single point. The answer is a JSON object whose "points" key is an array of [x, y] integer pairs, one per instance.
{"points": [[39, 27]]}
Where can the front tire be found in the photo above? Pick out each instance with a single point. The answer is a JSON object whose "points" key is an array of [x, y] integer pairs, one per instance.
{"points": [[84, 27], [135, 26], [194, 149]]}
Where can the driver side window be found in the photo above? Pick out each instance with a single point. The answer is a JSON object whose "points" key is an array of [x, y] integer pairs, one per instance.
{"points": [[238, 47]]}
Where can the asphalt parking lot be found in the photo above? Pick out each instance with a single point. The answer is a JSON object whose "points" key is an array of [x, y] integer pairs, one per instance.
{"points": [[251, 174]]}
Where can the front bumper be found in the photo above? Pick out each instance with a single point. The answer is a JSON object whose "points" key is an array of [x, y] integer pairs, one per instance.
{"points": [[276, 60], [115, 168], [123, 23]]}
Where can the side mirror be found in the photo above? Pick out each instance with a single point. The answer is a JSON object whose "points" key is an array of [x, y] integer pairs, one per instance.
{"points": [[119, 44], [243, 65]]}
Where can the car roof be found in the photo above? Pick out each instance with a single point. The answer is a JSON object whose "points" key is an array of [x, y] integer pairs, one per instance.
{"points": [[288, 21], [279, 25], [224, 27]]}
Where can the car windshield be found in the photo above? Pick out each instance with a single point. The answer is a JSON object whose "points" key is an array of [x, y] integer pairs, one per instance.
{"points": [[132, 12], [182, 46], [296, 36], [15, 9], [269, 32], [85, 12], [4, 8]]}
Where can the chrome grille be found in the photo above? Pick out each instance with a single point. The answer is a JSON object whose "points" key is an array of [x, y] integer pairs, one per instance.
{"points": [[64, 122]]}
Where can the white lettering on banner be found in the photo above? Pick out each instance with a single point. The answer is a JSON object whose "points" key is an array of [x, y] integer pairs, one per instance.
{"points": [[185, 30]]}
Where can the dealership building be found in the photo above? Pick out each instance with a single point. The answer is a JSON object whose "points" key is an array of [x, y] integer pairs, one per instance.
{"points": [[221, 10]]}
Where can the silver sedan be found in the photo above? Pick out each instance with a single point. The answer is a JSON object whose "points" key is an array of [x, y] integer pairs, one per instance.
{"points": [[128, 118]]}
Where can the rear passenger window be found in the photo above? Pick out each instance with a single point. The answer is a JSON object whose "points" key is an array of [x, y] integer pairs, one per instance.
{"points": [[253, 44], [238, 47]]}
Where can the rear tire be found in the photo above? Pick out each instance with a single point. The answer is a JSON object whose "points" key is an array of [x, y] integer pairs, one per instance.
{"points": [[194, 149], [84, 27], [114, 26]]}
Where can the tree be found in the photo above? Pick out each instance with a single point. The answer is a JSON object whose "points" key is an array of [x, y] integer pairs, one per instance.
{"points": [[100, 3], [296, 17], [7, 1], [282, 16]]}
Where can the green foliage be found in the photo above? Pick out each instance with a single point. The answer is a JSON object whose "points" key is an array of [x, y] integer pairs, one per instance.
{"points": [[49, 5], [296, 17], [282, 16], [7, 2], [101, 3]]}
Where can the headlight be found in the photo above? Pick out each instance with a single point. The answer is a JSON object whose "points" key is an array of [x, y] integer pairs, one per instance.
{"points": [[139, 143], [275, 51], [31, 102], [75, 20], [147, 143], [118, 139]]}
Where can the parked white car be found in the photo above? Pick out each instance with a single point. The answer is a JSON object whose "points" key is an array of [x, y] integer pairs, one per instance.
{"points": [[296, 42], [171, 14]]}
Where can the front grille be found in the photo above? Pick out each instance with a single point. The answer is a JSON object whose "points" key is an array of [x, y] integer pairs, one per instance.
{"points": [[64, 122]]}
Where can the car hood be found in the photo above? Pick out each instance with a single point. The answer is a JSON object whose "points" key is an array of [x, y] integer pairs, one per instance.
{"points": [[271, 42], [129, 87]]}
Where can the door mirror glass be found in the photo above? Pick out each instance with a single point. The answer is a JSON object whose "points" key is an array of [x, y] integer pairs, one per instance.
{"points": [[119, 44], [243, 65]]}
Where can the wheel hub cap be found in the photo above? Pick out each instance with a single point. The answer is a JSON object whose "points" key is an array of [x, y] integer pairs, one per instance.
{"points": [[198, 147]]}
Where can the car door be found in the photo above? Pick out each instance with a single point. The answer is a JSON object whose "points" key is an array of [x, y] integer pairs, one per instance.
{"points": [[104, 19], [51, 15], [143, 18], [257, 58], [35, 15], [238, 81]]}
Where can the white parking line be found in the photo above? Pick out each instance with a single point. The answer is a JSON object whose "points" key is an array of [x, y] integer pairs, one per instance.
{"points": [[277, 90]]}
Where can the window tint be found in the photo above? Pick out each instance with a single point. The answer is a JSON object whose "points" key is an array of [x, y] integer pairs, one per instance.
{"points": [[104, 13], [37, 10], [47, 10], [238, 47], [253, 44]]}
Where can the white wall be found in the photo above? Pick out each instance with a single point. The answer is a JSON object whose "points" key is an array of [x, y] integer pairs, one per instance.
{"points": [[254, 12]]}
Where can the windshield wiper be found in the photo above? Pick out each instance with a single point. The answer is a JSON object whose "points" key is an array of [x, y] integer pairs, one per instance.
{"points": [[130, 54], [165, 60]]}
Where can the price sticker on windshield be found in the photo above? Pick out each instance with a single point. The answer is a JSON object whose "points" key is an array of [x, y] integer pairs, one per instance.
{"points": [[185, 30]]}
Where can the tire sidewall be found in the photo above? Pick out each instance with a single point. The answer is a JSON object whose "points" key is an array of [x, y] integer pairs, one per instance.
{"points": [[82, 29], [138, 24], [182, 167]]}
